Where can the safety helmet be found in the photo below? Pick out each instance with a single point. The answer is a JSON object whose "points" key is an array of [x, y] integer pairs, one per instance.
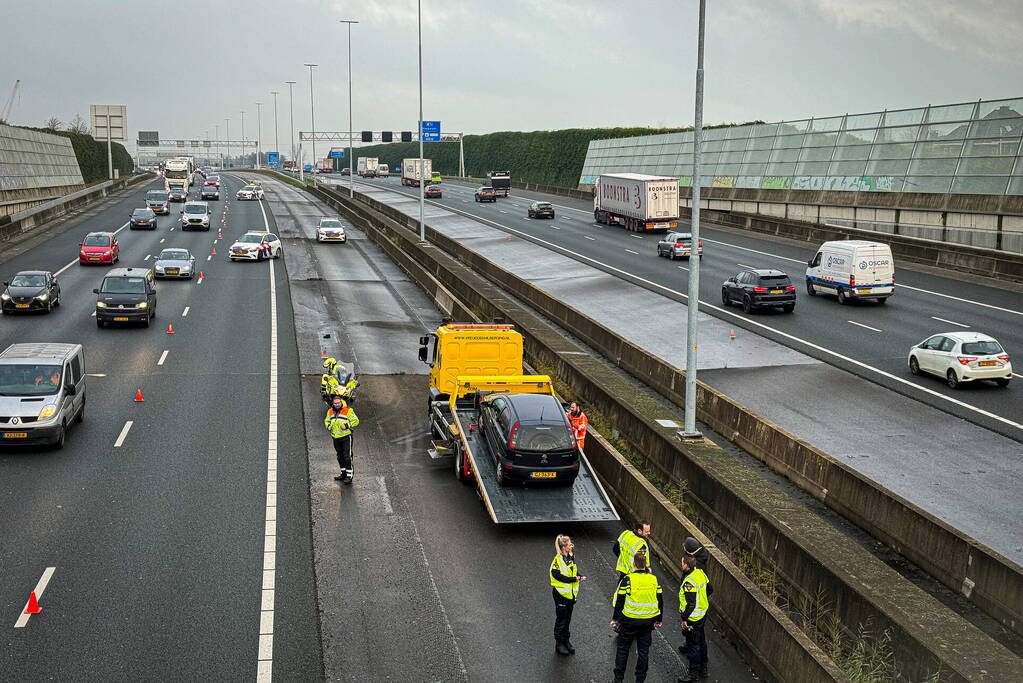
{"points": [[329, 364]]}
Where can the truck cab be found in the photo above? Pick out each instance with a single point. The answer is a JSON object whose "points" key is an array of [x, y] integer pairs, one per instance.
{"points": [[469, 349]]}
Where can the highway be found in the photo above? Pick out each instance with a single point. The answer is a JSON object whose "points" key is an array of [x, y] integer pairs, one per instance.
{"points": [[959, 470], [157, 516]]}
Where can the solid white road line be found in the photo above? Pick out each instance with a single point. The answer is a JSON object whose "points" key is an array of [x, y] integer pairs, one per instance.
{"points": [[632, 252], [264, 658], [853, 322], [950, 322], [185, 313], [163, 357], [76, 260], [40, 588], [124, 432]]}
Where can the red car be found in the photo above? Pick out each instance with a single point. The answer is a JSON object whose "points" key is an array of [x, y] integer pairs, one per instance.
{"points": [[99, 247], [433, 191], [213, 180]]}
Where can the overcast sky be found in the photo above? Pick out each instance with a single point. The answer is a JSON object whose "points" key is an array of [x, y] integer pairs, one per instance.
{"points": [[183, 66]]}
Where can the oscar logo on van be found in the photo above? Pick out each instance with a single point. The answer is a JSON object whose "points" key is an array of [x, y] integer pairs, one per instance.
{"points": [[835, 261], [863, 265]]}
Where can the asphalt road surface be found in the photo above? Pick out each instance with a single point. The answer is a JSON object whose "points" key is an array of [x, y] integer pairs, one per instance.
{"points": [[413, 580], [154, 515]]}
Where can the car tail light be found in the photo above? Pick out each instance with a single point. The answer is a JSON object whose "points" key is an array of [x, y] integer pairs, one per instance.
{"points": [[701, 243], [1004, 358], [852, 280], [966, 360], [790, 288], [679, 245], [760, 289], [513, 435]]}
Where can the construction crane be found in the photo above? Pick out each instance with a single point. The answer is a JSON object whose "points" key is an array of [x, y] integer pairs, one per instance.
{"points": [[10, 102]]}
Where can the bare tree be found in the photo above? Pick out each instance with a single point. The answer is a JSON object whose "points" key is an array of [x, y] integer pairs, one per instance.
{"points": [[79, 125], [53, 123]]}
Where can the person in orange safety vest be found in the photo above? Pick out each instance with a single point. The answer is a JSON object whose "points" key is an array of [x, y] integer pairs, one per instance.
{"points": [[579, 423]]}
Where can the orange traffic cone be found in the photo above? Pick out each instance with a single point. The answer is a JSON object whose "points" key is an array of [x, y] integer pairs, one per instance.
{"points": [[201, 275], [170, 329], [138, 396], [33, 604], [731, 334], [214, 252], [323, 355]]}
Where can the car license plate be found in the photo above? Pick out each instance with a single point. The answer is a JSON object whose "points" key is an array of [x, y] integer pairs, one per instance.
{"points": [[776, 291], [15, 435], [21, 305], [94, 258], [864, 290], [172, 271], [121, 319], [543, 475], [987, 363]]}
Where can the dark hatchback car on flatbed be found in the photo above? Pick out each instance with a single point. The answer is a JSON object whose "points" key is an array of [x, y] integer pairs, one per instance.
{"points": [[531, 439]]}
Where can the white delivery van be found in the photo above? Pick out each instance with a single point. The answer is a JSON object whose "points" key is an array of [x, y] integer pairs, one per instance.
{"points": [[852, 269], [383, 171]]}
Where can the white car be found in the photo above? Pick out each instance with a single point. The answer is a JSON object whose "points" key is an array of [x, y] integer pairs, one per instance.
{"points": [[330, 230], [255, 246], [195, 215], [250, 192], [961, 357]]}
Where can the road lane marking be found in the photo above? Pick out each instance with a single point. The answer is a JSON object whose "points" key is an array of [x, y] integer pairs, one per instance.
{"points": [[950, 322], [743, 265], [40, 588], [209, 257], [632, 252], [162, 240], [587, 237], [124, 433], [148, 256], [639, 237], [556, 227], [185, 313], [853, 322], [163, 357], [93, 314], [76, 260], [264, 657], [683, 268]]}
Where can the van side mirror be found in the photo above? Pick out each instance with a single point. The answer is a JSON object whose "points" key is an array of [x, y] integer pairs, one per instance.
{"points": [[424, 341], [423, 350], [95, 291], [70, 389]]}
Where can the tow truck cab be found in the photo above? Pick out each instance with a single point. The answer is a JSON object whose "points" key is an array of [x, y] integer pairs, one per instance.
{"points": [[469, 349]]}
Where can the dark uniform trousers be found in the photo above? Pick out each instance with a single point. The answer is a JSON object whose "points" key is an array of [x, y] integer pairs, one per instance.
{"points": [[696, 644], [343, 449], [562, 616], [641, 631]]}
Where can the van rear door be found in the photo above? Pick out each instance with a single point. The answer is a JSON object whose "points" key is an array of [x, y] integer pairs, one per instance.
{"points": [[874, 265]]}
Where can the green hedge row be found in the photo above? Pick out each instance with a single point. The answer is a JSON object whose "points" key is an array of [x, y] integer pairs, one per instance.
{"points": [[550, 157], [92, 154]]}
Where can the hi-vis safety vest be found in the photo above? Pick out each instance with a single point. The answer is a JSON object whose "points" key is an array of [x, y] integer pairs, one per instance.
{"points": [[628, 545], [567, 568], [340, 423], [640, 596], [695, 582]]}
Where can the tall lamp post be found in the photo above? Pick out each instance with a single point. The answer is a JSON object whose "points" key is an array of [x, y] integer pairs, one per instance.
{"points": [[243, 137], [227, 141], [259, 130], [693, 301], [291, 99], [216, 130], [277, 147], [351, 147], [312, 112], [422, 165]]}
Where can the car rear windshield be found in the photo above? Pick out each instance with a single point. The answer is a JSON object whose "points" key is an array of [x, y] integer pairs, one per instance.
{"points": [[683, 236], [543, 437], [544, 205], [982, 348], [28, 281], [29, 380], [775, 280], [123, 285], [97, 241]]}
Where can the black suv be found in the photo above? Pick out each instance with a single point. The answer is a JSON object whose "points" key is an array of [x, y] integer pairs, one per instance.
{"points": [[540, 210], [530, 437], [126, 295], [486, 194], [764, 288], [30, 290]]}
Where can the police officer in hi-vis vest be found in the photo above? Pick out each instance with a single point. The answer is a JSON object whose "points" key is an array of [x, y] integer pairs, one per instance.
{"points": [[565, 580]]}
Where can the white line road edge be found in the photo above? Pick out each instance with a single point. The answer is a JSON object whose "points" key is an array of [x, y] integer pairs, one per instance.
{"points": [[731, 314], [40, 588], [124, 433], [264, 663]]}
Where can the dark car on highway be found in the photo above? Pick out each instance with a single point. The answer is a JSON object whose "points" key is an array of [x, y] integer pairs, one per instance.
{"points": [[486, 194], [30, 290], [540, 210], [531, 439], [763, 288], [127, 295], [157, 201], [177, 194], [433, 191], [142, 218]]}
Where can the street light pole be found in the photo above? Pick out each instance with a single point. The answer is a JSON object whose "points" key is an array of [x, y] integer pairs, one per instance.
{"points": [[422, 163], [243, 137], [693, 301], [351, 146], [277, 147], [259, 130], [227, 141], [291, 99], [216, 130], [312, 114]]}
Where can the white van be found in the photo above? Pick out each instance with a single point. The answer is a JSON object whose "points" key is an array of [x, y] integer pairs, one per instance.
{"points": [[383, 171], [42, 392], [852, 269]]}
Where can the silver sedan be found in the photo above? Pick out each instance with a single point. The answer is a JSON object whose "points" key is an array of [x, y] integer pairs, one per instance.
{"points": [[174, 263]]}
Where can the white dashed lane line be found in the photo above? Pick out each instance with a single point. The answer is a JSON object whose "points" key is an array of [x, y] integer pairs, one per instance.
{"points": [[950, 322], [185, 312], [124, 433], [163, 357], [587, 237], [632, 252], [868, 327]]}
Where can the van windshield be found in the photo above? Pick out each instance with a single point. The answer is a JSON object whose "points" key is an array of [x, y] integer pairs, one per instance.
{"points": [[29, 380], [123, 285]]}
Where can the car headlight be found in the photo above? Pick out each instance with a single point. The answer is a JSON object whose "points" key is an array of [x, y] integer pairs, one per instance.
{"points": [[5, 296], [48, 411], [144, 304], [108, 252], [159, 269], [43, 297], [100, 304]]}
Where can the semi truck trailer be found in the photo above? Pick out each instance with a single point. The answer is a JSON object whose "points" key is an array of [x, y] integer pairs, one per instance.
{"points": [[500, 181], [368, 167], [637, 201], [415, 171]]}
